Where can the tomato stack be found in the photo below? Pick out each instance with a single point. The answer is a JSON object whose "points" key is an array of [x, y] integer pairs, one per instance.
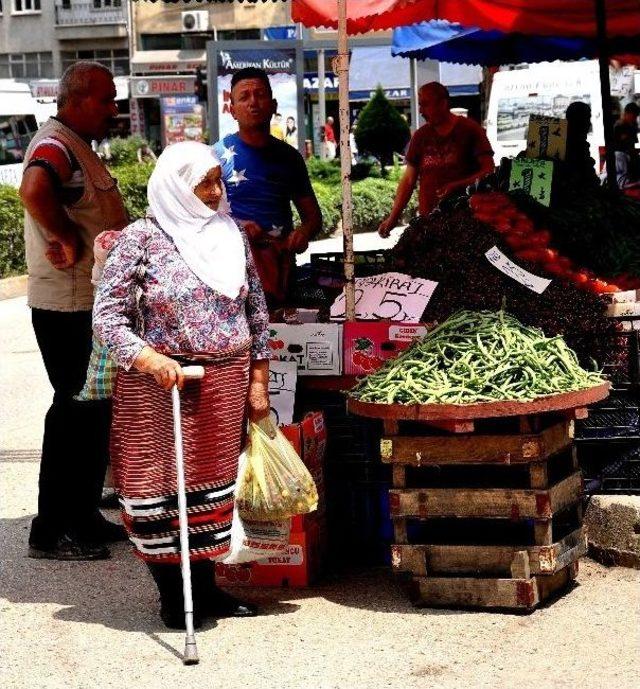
{"points": [[533, 244]]}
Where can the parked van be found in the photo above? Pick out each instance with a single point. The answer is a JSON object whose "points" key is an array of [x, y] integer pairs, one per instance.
{"points": [[545, 89], [20, 117]]}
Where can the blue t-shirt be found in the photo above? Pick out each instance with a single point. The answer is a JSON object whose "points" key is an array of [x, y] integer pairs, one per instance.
{"points": [[262, 181]]}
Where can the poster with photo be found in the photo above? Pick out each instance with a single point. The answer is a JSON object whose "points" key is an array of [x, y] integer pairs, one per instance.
{"points": [[182, 119], [280, 65]]}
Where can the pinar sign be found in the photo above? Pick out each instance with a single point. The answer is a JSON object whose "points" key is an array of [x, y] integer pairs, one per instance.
{"points": [[156, 87]]}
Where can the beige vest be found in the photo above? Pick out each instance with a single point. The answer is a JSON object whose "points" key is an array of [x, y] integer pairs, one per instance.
{"points": [[100, 208]]}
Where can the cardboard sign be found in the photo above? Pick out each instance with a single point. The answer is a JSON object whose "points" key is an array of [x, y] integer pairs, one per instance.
{"points": [[283, 376], [524, 277], [547, 137], [533, 177], [390, 296], [316, 348], [368, 345]]}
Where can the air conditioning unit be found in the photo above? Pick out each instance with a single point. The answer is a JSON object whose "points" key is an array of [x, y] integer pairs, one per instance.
{"points": [[195, 20]]}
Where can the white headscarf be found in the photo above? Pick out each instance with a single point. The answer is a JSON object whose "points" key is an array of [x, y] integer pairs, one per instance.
{"points": [[209, 241]]}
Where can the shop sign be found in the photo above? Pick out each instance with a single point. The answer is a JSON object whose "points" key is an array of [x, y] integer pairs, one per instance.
{"points": [[271, 61], [280, 33], [391, 94], [311, 82], [524, 277], [390, 296], [157, 87]]}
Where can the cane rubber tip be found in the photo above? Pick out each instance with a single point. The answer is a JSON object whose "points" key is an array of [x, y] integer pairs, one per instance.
{"points": [[190, 653]]}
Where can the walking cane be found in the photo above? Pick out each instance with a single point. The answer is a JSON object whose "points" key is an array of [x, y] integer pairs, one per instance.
{"points": [[190, 656]]}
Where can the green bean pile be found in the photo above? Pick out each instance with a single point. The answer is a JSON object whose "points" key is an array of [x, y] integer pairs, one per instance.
{"points": [[475, 357]]}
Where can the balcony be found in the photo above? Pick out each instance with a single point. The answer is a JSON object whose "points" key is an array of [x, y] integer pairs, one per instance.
{"points": [[90, 19]]}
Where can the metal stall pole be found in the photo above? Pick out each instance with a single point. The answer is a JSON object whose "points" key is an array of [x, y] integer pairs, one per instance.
{"points": [[342, 69]]}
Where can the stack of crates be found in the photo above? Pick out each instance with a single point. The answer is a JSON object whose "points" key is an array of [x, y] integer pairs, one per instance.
{"points": [[608, 441], [357, 484]]}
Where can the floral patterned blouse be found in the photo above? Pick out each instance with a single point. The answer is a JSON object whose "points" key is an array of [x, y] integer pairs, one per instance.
{"points": [[180, 313]]}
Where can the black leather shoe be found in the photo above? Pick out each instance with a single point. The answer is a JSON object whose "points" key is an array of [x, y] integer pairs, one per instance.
{"points": [[223, 604], [68, 548]]}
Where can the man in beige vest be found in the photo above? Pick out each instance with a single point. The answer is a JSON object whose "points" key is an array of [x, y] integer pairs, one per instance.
{"points": [[69, 198]]}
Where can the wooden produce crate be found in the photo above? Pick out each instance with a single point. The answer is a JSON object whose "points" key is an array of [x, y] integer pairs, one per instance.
{"points": [[494, 501]]}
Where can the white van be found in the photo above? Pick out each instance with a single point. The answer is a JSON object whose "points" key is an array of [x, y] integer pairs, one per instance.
{"points": [[543, 89], [20, 117]]}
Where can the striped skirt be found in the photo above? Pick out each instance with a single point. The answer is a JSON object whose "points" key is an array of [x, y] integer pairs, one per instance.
{"points": [[143, 457]]}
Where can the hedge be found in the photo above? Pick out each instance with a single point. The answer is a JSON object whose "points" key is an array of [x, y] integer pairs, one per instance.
{"points": [[12, 261], [372, 201]]}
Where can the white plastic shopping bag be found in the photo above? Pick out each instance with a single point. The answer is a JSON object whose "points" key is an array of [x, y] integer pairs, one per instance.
{"points": [[255, 540]]}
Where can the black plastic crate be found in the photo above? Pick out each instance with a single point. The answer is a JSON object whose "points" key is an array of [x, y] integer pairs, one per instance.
{"points": [[620, 359], [329, 266], [618, 416], [610, 466], [359, 523]]}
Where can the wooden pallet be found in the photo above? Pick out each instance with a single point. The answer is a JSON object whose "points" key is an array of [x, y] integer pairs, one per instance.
{"points": [[515, 561], [522, 594], [477, 449]]}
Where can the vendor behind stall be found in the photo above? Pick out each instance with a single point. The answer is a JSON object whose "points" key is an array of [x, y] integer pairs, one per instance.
{"points": [[263, 176], [446, 154]]}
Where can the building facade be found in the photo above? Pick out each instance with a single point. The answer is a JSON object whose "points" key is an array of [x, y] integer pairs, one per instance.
{"points": [[40, 38]]}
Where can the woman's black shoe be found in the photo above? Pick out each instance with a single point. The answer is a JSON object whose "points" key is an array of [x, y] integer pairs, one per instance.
{"points": [[213, 601], [223, 604]]}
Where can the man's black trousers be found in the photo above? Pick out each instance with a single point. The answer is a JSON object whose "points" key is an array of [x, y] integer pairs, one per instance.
{"points": [[75, 448]]}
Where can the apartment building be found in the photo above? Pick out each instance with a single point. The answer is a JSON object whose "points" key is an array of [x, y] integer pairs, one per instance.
{"points": [[40, 38]]}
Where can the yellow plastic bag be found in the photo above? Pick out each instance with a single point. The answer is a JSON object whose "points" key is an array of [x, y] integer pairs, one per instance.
{"points": [[274, 483]]}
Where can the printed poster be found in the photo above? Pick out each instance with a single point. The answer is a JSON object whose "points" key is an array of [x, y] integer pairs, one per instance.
{"points": [[280, 65], [182, 119]]}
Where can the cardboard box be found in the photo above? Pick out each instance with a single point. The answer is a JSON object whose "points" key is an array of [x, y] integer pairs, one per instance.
{"points": [[298, 566], [309, 439], [547, 137], [367, 345], [625, 309], [316, 348]]}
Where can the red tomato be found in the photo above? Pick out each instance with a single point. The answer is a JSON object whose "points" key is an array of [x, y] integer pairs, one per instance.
{"points": [[555, 268], [598, 286], [580, 278]]}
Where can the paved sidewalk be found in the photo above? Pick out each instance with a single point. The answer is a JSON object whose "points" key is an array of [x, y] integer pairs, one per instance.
{"points": [[95, 625]]}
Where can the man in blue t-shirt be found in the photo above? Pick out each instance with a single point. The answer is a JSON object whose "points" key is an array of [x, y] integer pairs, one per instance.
{"points": [[263, 176]]}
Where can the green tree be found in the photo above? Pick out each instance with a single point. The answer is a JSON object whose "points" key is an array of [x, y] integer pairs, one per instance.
{"points": [[381, 130]]}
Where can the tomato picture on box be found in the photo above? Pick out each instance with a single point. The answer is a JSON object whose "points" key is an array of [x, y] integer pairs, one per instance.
{"points": [[368, 345], [296, 567]]}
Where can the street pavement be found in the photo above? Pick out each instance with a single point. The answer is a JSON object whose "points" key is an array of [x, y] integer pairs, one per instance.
{"points": [[95, 625]]}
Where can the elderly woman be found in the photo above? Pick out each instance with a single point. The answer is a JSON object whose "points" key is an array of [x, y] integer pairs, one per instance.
{"points": [[180, 287]]}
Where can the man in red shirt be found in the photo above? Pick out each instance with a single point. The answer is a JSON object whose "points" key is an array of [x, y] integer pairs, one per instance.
{"points": [[330, 142], [446, 154]]}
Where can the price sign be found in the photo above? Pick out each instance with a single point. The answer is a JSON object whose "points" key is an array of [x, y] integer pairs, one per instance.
{"points": [[390, 296], [508, 267], [283, 376], [534, 177]]}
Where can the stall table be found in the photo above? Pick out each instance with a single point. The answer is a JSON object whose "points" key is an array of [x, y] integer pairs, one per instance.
{"points": [[486, 498]]}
